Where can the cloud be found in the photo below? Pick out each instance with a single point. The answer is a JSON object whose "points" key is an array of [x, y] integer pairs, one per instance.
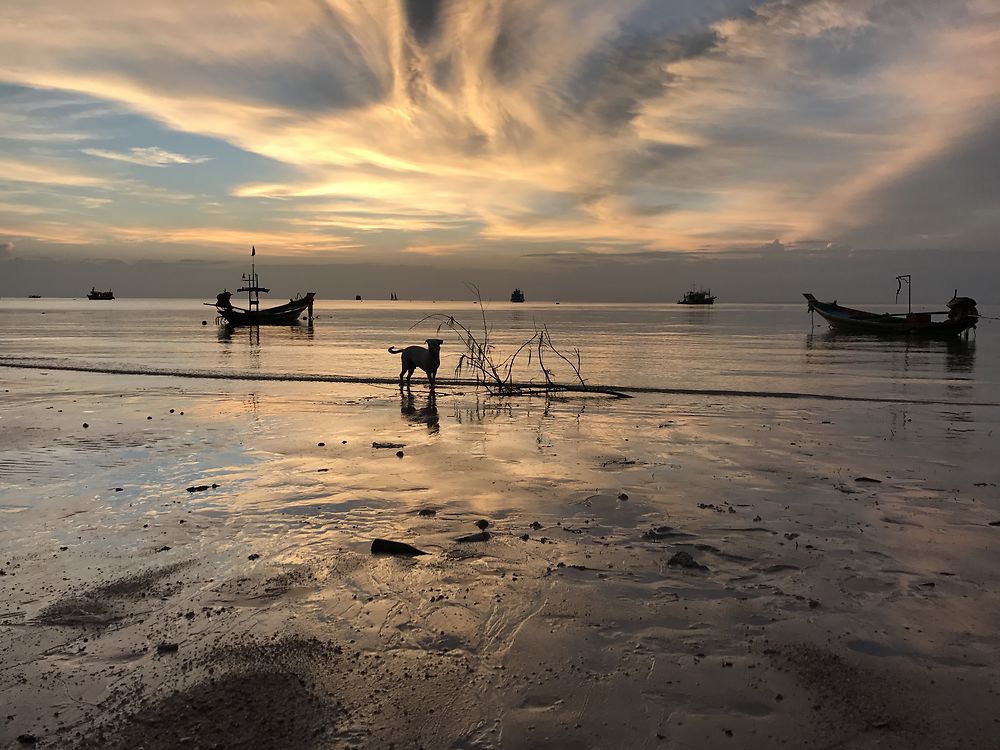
{"points": [[147, 157], [625, 127]]}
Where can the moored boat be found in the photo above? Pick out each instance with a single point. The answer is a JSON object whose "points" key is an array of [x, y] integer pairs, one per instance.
{"points": [[252, 314], [697, 297], [962, 315], [94, 294]]}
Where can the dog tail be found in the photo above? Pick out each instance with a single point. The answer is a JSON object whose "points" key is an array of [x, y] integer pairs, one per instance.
{"points": [[394, 350]]}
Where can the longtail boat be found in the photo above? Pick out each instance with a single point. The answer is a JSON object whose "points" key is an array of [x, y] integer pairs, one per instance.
{"points": [[252, 314], [962, 315]]}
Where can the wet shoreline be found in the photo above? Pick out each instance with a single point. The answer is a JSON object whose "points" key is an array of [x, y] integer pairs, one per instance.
{"points": [[133, 611]]}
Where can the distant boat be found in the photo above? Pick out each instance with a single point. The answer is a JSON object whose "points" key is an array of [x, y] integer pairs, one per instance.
{"points": [[252, 314], [94, 294], [962, 315], [517, 296], [34, 296], [697, 297]]}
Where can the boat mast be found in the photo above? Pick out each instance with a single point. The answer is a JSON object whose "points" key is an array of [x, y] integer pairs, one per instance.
{"points": [[909, 291], [252, 288]]}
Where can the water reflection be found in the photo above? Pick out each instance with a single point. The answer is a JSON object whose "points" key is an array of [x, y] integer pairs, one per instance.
{"points": [[426, 414], [297, 332], [959, 353]]}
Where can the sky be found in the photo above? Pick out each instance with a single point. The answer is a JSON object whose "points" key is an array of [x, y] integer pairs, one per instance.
{"points": [[579, 149]]}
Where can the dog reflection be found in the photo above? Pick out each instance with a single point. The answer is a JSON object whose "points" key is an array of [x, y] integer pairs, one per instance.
{"points": [[427, 414]]}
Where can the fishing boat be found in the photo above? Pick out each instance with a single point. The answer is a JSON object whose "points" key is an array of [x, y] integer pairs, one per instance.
{"points": [[697, 297], [94, 294], [517, 296], [253, 314], [961, 316]]}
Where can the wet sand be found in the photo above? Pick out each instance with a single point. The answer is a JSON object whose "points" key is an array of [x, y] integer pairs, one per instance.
{"points": [[660, 572]]}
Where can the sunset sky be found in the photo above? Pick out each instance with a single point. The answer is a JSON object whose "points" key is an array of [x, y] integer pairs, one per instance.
{"points": [[592, 142]]}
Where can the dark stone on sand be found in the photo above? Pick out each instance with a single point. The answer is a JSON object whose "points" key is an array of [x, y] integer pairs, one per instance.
{"points": [[813, 604], [535, 525], [253, 556], [426, 512], [524, 537], [164, 548], [198, 488], [171, 411], [482, 536], [389, 547], [994, 523], [399, 454], [868, 479], [321, 445], [663, 532], [683, 559], [85, 425], [387, 445], [482, 523], [622, 496], [148, 417], [27, 739], [63, 549], [119, 489], [204, 322], [167, 648]]}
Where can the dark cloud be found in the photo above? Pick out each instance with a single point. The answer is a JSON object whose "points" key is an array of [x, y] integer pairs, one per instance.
{"points": [[423, 17], [952, 200], [514, 45], [613, 84]]}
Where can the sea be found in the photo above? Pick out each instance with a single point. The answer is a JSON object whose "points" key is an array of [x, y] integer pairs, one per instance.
{"points": [[726, 348]]}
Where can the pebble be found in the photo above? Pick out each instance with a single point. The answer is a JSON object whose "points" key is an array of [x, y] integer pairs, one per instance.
{"points": [[389, 547], [684, 560]]}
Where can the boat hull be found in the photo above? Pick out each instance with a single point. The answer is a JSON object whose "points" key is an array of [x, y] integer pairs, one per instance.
{"points": [[286, 314], [913, 324]]}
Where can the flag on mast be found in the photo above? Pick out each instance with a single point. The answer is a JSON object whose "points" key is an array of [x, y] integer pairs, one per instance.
{"points": [[253, 250]]}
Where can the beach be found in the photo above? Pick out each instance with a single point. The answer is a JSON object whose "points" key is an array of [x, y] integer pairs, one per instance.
{"points": [[187, 563]]}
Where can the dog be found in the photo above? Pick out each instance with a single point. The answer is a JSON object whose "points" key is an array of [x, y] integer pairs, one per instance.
{"points": [[428, 360]]}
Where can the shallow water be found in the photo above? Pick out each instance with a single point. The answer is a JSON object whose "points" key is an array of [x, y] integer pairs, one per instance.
{"points": [[727, 347], [570, 626]]}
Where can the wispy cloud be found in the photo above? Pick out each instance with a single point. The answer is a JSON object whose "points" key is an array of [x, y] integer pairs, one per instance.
{"points": [[630, 126], [151, 156]]}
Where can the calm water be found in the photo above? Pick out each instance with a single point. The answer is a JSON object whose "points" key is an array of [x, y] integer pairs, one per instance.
{"points": [[728, 347]]}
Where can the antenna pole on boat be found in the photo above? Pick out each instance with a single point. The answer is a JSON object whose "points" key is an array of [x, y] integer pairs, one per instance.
{"points": [[909, 291]]}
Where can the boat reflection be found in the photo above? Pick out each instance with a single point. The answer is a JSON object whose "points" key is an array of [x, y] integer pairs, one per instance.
{"points": [[426, 414], [251, 334], [959, 353]]}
